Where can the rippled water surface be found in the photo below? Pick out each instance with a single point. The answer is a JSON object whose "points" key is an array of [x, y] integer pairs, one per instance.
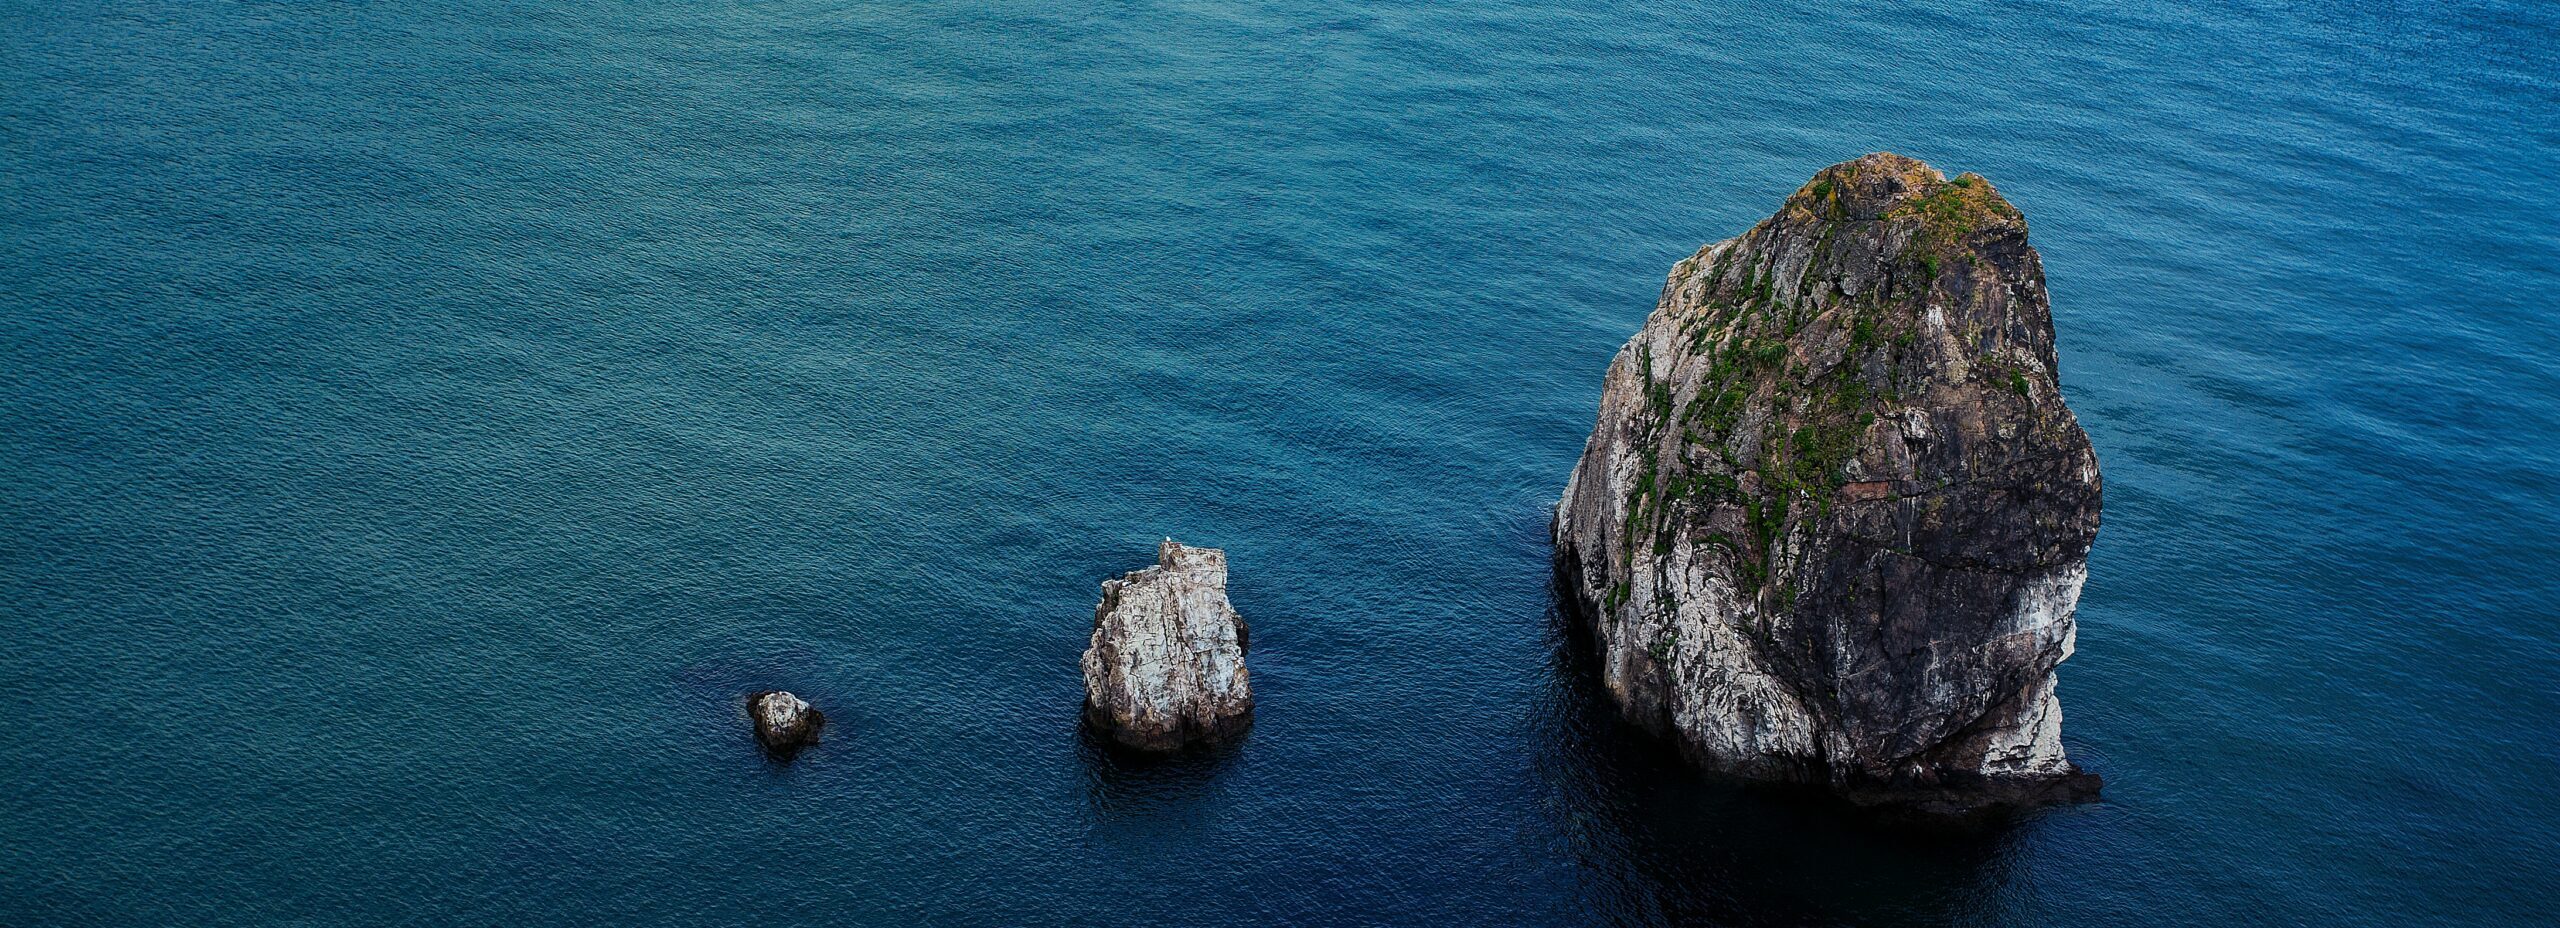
{"points": [[424, 421]]}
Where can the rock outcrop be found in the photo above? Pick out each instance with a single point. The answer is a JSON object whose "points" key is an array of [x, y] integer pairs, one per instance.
{"points": [[1834, 518], [1166, 668], [784, 723]]}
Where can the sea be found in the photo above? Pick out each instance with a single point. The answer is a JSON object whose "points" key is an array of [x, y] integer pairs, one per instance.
{"points": [[422, 423]]}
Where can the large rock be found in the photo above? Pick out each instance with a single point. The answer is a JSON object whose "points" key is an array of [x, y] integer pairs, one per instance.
{"points": [[1834, 517], [1165, 668], [784, 722]]}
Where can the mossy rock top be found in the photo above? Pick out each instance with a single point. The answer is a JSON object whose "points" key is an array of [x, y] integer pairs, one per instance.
{"points": [[1806, 357], [1886, 186]]}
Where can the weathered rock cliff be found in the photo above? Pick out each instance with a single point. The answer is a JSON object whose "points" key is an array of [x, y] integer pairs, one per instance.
{"points": [[1166, 664], [1834, 518]]}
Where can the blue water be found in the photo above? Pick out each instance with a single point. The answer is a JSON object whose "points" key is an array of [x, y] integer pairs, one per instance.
{"points": [[421, 423]]}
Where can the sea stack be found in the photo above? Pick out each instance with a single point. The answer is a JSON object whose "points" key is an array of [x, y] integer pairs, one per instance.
{"points": [[1165, 668], [784, 722], [1833, 521]]}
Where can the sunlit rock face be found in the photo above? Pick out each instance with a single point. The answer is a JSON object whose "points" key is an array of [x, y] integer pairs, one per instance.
{"points": [[1834, 517], [1165, 668]]}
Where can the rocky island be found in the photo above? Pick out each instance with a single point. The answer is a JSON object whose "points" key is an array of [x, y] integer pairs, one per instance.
{"points": [[1833, 521], [784, 723], [1165, 668]]}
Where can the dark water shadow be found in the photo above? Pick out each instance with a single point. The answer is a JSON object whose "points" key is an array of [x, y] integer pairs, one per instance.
{"points": [[1123, 783], [1658, 841]]}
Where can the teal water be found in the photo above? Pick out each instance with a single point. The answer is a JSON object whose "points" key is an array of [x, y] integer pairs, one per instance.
{"points": [[424, 421]]}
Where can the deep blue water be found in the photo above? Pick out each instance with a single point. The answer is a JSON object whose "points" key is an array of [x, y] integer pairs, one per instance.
{"points": [[424, 421]]}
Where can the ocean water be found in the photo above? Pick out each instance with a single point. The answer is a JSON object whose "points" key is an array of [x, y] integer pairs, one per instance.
{"points": [[421, 423]]}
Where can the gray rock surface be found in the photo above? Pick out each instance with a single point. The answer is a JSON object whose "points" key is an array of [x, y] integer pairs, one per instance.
{"points": [[1165, 667], [1834, 517], [784, 723]]}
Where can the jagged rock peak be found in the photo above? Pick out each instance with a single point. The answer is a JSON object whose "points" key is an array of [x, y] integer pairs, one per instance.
{"points": [[1834, 516], [1165, 667]]}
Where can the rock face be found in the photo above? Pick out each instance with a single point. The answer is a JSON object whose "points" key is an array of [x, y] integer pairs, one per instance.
{"points": [[784, 723], [1834, 518], [1166, 665]]}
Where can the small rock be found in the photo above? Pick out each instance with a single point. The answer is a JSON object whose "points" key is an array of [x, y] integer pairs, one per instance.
{"points": [[1166, 668], [784, 722]]}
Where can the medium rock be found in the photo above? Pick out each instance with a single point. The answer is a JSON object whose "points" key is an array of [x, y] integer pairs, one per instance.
{"points": [[784, 723], [1165, 667], [1834, 518]]}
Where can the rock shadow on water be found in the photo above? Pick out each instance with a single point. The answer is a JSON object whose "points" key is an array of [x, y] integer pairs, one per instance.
{"points": [[1656, 840], [1124, 782]]}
